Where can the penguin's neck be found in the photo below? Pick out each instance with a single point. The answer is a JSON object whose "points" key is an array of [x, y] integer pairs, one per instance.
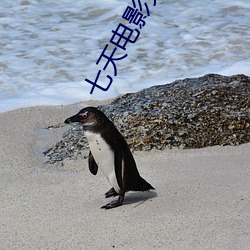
{"points": [[93, 127], [91, 135]]}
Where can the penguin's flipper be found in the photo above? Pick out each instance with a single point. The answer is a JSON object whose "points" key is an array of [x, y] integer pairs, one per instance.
{"points": [[93, 167], [118, 166], [111, 193]]}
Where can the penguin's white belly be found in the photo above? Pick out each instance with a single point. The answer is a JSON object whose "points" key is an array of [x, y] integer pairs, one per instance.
{"points": [[104, 157]]}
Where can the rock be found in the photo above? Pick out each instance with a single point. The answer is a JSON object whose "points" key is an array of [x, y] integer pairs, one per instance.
{"points": [[190, 113]]}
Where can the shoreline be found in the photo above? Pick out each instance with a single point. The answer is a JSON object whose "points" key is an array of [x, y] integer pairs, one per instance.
{"points": [[201, 198]]}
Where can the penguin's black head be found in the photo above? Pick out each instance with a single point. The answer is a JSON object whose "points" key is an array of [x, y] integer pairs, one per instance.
{"points": [[88, 117]]}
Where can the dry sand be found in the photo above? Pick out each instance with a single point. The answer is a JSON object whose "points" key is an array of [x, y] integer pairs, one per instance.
{"points": [[201, 201]]}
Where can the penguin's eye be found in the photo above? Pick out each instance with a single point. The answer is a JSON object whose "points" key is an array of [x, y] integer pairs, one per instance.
{"points": [[84, 115]]}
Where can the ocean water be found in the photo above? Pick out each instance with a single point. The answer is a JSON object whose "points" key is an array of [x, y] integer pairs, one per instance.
{"points": [[48, 48]]}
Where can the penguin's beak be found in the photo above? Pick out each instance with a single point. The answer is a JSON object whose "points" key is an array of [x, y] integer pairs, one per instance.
{"points": [[74, 118]]}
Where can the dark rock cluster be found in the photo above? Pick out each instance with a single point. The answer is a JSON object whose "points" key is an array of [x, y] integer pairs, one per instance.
{"points": [[190, 113]]}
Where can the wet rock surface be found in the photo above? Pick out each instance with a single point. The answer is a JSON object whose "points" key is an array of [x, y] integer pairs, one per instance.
{"points": [[190, 113]]}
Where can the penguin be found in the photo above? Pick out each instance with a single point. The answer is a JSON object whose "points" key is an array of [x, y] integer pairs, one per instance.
{"points": [[110, 152]]}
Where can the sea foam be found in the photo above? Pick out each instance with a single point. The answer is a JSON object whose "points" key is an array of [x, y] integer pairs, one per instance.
{"points": [[48, 48]]}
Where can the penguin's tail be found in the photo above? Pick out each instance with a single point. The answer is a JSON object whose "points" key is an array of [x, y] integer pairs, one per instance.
{"points": [[141, 185]]}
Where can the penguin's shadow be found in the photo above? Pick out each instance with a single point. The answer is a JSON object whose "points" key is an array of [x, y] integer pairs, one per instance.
{"points": [[137, 198]]}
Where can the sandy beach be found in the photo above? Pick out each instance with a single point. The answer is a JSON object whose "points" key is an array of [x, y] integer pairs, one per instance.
{"points": [[201, 198]]}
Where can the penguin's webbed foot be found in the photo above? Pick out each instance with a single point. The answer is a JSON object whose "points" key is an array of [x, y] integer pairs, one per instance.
{"points": [[113, 204], [111, 193]]}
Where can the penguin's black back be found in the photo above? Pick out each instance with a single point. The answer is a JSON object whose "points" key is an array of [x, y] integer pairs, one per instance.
{"points": [[131, 178]]}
